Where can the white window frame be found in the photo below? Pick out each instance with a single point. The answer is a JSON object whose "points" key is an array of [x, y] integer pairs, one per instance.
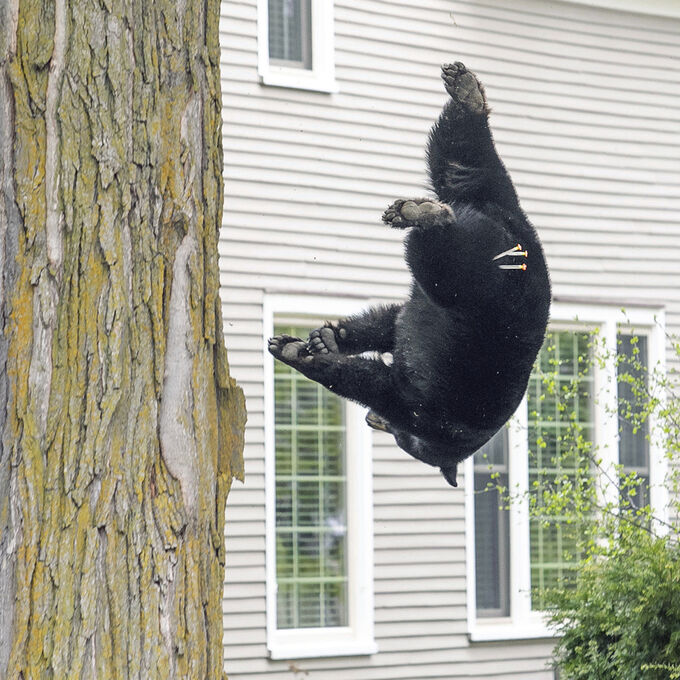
{"points": [[358, 637], [523, 623], [321, 77]]}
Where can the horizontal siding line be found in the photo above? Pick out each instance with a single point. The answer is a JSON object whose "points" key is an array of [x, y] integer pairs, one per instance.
{"points": [[386, 150], [501, 127], [663, 108], [351, 73], [438, 614], [512, 152], [609, 45], [256, 158], [556, 102], [584, 27], [319, 166], [239, 10], [626, 232], [559, 133], [646, 176], [426, 559], [364, 159], [349, 115], [595, 118], [600, 251], [531, 73], [401, 530], [534, 651], [275, 284], [330, 258], [425, 79], [586, 21], [425, 84], [304, 140], [666, 270], [244, 42], [592, 56], [625, 218], [528, 190], [371, 46]]}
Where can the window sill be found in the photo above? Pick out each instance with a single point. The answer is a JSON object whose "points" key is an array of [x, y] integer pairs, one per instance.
{"points": [[319, 642], [298, 79], [497, 630]]}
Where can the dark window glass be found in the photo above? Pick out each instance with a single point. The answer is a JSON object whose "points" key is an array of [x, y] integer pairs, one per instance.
{"points": [[492, 530], [290, 32], [633, 431]]}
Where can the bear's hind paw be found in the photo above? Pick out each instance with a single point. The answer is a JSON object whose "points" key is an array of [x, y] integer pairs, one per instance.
{"points": [[464, 88], [422, 212], [323, 340], [290, 350]]}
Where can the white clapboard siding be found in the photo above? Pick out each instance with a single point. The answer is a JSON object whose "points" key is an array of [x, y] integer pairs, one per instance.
{"points": [[586, 114]]}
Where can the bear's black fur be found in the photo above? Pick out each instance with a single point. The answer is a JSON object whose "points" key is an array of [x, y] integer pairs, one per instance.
{"points": [[464, 342]]}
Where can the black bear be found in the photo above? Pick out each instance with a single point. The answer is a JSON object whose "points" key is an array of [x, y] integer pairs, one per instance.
{"points": [[464, 342]]}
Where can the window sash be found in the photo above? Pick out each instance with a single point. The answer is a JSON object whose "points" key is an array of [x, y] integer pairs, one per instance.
{"points": [[311, 505], [357, 637], [290, 33]]}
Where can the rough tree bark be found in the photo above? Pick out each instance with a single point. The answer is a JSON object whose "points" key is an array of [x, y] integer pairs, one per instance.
{"points": [[120, 426]]}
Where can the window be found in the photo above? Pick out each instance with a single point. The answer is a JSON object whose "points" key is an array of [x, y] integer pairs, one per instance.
{"points": [[318, 491], [553, 546], [311, 503], [512, 557], [295, 43], [633, 442], [492, 547], [290, 33]]}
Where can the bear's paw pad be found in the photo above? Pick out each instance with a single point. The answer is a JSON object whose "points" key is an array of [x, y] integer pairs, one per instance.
{"points": [[288, 349], [405, 213], [463, 87], [323, 341]]}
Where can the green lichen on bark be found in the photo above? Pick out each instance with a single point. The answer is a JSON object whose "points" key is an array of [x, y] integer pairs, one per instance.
{"points": [[118, 563]]}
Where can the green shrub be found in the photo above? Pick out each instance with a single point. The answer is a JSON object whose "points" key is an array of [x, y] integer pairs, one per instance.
{"points": [[620, 620]]}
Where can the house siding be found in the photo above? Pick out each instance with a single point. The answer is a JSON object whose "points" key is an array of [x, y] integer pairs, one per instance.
{"points": [[586, 115]]}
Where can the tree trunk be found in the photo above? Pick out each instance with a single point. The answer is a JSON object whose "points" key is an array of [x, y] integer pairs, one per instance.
{"points": [[120, 426]]}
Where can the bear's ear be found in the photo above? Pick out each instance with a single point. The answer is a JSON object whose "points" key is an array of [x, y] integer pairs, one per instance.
{"points": [[450, 474]]}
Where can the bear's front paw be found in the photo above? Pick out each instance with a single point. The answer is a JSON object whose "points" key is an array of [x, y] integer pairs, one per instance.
{"points": [[417, 212], [464, 88], [324, 340], [290, 350]]}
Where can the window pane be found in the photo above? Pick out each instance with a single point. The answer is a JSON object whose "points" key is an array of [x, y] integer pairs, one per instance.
{"points": [[311, 515], [560, 398], [290, 39], [492, 531], [633, 369]]}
